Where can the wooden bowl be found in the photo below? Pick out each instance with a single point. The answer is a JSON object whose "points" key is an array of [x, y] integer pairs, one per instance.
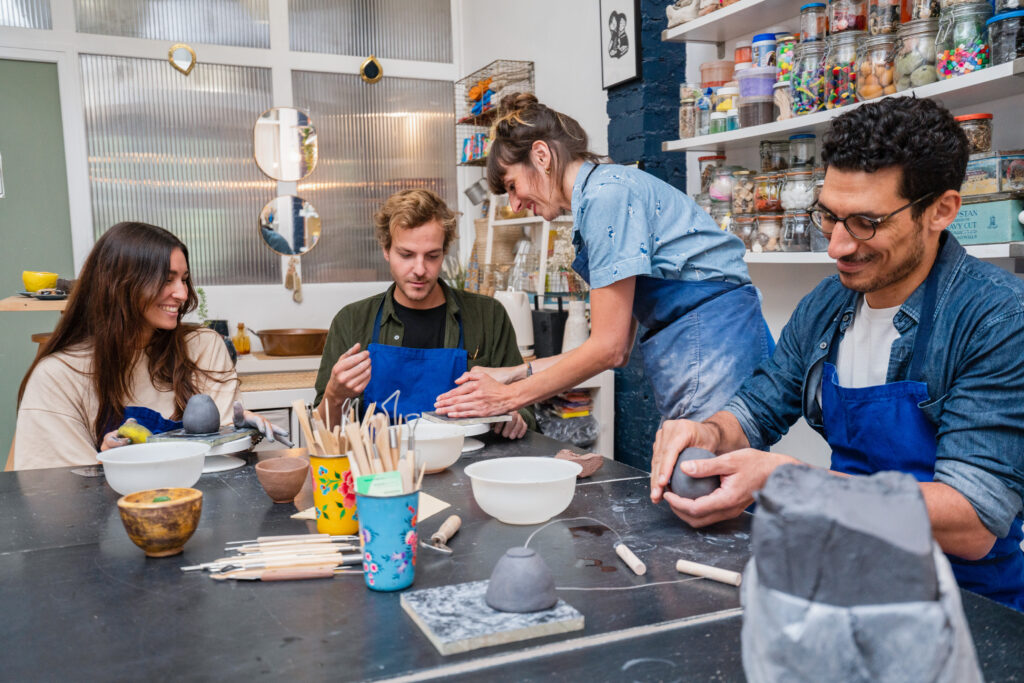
{"points": [[160, 521], [282, 478]]}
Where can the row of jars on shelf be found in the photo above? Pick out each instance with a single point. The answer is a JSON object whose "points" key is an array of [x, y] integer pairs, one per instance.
{"points": [[775, 231], [747, 193], [876, 16]]}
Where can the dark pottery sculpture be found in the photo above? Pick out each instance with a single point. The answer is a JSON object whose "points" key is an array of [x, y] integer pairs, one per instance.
{"points": [[282, 478], [521, 582], [686, 486], [201, 415]]}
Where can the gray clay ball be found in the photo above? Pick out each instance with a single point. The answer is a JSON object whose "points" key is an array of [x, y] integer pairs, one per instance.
{"points": [[686, 486], [201, 415], [521, 582]]}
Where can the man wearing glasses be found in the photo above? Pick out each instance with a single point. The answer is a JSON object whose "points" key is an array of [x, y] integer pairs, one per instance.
{"points": [[909, 359]]}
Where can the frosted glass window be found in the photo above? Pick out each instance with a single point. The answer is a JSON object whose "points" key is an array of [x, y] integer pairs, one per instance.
{"points": [[243, 23], [26, 13], [418, 30], [177, 152], [374, 140]]}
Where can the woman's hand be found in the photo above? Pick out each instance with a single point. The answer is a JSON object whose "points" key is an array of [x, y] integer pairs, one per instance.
{"points": [[112, 440], [478, 395], [513, 429], [502, 375]]}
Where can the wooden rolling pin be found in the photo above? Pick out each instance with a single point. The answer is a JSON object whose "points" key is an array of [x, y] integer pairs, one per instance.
{"points": [[709, 572]]}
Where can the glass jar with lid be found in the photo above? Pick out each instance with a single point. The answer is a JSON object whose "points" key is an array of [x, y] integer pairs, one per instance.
{"points": [[721, 214], [978, 129], [808, 80], [813, 22], [688, 113], [744, 227], [1006, 34], [847, 15], [779, 155], [923, 9], [703, 201], [841, 69], [707, 165], [801, 150], [743, 192], [875, 59], [798, 191], [720, 190], [766, 193], [961, 46], [796, 231], [725, 98], [915, 54], [769, 232], [883, 16], [732, 119], [718, 122]]}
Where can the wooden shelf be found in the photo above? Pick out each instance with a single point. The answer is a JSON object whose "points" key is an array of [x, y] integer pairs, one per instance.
{"points": [[483, 120], [24, 303], [530, 220], [996, 82], [983, 251], [739, 19]]}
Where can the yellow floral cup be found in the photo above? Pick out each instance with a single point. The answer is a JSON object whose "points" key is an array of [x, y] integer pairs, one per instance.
{"points": [[334, 495]]}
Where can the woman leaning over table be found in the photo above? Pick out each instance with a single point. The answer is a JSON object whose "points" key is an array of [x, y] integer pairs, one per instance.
{"points": [[120, 350], [651, 257]]}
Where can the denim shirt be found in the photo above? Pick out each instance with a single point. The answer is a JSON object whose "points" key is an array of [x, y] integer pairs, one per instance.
{"points": [[974, 372], [632, 223]]}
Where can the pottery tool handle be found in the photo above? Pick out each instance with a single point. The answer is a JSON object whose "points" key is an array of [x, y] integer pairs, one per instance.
{"points": [[296, 574], [447, 530], [631, 560], [304, 538], [708, 572]]}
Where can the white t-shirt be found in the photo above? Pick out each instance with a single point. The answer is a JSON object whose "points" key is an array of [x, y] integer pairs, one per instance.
{"points": [[863, 359]]}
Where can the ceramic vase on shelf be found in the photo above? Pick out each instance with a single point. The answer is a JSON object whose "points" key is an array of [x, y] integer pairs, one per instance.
{"points": [[576, 328]]}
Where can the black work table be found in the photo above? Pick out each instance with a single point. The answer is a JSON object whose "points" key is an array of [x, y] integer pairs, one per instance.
{"points": [[80, 601]]}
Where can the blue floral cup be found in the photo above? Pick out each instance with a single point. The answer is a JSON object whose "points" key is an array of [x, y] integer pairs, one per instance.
{"points": [[387, 532]]}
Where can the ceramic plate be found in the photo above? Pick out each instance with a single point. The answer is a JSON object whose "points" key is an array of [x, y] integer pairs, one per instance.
{"points": [[50, 297], [28, 294], [472, 445]]}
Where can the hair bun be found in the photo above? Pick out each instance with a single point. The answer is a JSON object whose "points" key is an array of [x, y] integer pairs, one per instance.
{"points": [[517, 100]]}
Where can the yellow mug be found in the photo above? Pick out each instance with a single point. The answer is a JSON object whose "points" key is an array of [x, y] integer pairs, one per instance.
{"points": [[35, 280], [334, 495]]}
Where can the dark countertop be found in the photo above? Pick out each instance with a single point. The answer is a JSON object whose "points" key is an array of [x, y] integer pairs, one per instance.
{"points": [[81, 601]]}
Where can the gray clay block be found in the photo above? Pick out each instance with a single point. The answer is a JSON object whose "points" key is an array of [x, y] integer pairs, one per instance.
{"points": [[521, 582], [844, 541], [201, 415], [686, 486]]}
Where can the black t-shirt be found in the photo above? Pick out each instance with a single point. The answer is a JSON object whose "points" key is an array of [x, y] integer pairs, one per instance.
{"points": [[424, 328]]}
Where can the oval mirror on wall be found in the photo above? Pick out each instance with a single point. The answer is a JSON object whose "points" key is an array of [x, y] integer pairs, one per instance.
{"points": [[289, 225], [284, 140]]}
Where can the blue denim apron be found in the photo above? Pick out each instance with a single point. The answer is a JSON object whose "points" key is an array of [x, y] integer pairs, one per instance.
{"points": [[703, 339], [148, 418], [871, 429], [421, 374]]}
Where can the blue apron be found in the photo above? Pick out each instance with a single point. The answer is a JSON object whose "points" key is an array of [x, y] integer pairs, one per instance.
{"points": [[871, 429], [148, 418], [421, 374], [703, 339]]}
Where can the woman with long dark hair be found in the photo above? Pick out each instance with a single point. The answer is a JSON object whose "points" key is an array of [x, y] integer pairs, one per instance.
{"points": [[120, 350], [651, 256]]}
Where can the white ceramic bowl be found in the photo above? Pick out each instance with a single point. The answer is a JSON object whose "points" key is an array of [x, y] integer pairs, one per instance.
{"points": [[523, 490], [438, 445], [153, 466]]}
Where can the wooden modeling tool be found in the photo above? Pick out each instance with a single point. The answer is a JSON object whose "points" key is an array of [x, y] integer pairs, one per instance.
{"points": [[307, 431], [631, 560], [439, 540], [303, 538], [709, 572], [283, 574]]}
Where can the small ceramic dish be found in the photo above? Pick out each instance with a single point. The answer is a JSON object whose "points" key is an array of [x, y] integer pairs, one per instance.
{"points": [[160, 521], [282, 478]]}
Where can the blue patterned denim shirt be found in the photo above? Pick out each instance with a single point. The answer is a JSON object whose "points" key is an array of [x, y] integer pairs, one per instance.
{"points": [[974, 373], [635, 224]]}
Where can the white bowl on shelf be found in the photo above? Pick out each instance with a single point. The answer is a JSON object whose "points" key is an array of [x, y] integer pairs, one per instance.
{"points": [[144, 466], [523, 490]]}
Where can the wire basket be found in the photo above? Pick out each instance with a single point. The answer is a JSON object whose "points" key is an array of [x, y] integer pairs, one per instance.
{"points": [[477, 97]]}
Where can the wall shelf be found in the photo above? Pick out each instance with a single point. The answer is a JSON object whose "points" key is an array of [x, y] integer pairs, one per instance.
{"points": [[996, 82], [530, 220], [738, 19], [982, 251]]}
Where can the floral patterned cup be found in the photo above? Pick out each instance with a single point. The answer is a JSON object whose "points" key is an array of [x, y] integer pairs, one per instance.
{"points": [[334, 495], [387, 531]]}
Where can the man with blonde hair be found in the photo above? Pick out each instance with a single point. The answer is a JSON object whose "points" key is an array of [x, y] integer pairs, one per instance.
{"points": [[419, 335]]}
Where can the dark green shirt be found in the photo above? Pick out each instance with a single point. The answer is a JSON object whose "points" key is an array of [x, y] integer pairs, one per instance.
{"points": [[489, 337]]}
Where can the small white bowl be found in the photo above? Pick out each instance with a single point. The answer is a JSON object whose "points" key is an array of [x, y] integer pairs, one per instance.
{"points": [[438, 445], [153, 466], [523, 490]]}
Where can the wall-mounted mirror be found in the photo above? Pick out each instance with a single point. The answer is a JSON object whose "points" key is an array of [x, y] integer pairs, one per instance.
{"points": [[182, 57], [289, 225], [284, 140]]}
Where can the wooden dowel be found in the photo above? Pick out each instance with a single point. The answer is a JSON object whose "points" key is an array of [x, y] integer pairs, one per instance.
{"points": [[709, 572]]}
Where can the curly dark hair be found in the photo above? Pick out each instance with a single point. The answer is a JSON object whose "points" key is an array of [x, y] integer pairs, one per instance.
{"points": [[919, 136]]}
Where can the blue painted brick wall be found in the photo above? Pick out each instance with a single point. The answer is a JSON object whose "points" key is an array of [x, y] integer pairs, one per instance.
{"points": [[642, 115]]}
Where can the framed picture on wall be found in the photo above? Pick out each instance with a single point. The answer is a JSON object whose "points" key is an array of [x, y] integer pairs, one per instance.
{"points": [[620, 41]]}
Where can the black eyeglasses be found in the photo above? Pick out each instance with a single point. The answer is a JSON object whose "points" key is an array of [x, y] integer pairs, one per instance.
{"points": [[860, 227]]}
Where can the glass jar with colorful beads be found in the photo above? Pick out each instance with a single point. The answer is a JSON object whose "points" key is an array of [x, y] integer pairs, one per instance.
{"points": [[808, 80], [962, 44], [875, 60], [784, 55], [915, 54], [847, 15], [841, 68], [883, 16]]}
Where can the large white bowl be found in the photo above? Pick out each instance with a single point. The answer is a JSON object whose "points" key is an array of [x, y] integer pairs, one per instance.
{"points": [[438, 445], [153, 466], [523, 490]]}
